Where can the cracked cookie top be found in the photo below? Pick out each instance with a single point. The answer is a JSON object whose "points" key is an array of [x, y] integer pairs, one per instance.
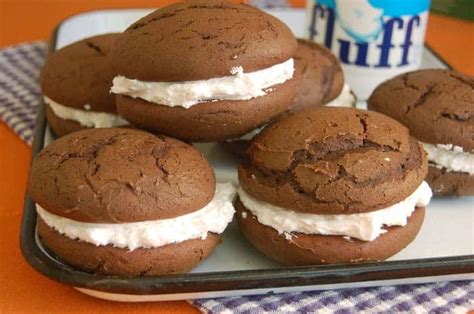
{"points": [[80, 74], [436, 105], [321, 75], [120, 175], [333, 161], [199, 40]]}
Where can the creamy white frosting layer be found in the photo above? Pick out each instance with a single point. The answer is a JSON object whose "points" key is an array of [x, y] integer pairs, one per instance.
{"points": [[344, 99], [451, 157], [214, 217], [238, 86], [364, 226], [250, 135], [90, 119]]}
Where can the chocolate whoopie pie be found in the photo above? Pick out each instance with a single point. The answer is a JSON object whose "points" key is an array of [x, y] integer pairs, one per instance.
{"points": [[321, 83], [322, 79], [347, 187], [204, 70], [76, 82], [125, 202], [438, 108]]}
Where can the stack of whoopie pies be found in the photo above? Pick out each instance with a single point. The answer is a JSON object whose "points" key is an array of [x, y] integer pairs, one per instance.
{"points": [[318, 185]]}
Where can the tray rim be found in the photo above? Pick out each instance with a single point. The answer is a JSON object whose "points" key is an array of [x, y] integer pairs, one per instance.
{"points": [[248, 280]]}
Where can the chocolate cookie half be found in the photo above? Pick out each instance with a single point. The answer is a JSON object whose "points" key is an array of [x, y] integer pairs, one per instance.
{"points": [[126, 202], [346, 175], [76, 82], [204, 70], [438, 108]]}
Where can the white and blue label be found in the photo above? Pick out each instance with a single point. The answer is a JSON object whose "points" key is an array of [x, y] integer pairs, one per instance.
{"points": [[371, 34]]}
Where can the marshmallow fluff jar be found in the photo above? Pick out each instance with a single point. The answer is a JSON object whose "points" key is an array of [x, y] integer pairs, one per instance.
{"points": [[75, 82], [204, 70], [438, 108], [332, 185], [125, 202]]}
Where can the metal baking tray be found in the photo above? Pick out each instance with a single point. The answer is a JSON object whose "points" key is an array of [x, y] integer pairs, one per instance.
{"points": [[444, 249]]}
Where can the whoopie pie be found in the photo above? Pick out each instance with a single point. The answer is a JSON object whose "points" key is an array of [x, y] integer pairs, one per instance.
{"points": [[438, 108], [332, 185], [204, 70], [120, 201], [75, 82]]}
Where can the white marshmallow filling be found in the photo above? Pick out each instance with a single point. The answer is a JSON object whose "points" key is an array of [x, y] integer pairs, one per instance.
{"points": [[214, 218], [90, 119], [363, 226], [344, 99], [237, 86], [450, 157]]}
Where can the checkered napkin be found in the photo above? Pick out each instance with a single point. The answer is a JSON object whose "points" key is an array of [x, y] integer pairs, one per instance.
{"points": [[446, 297], [19, 99], [19, 89]]}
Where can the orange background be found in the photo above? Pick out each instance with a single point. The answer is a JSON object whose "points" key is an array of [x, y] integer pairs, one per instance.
{"points": [[21, 288]]}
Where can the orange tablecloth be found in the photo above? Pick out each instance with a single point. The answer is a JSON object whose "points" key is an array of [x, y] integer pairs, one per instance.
{"points": [[21, 288]]}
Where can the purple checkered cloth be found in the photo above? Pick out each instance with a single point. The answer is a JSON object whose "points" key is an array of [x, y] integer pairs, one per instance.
{"points": [[19, 88], [445, 297], [19, 98]]}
